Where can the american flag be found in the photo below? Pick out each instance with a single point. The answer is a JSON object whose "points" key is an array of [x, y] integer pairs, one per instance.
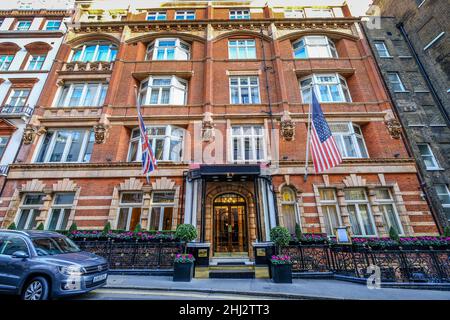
{"points": [[148, 159], [324, 151]]}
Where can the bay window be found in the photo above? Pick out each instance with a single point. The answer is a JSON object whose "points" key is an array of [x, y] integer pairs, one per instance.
{"points": [[5, 61], [349, 139], [244, 90], [242, 49], [36, 61], [29, 211], [130, 208], [59, 217], [168, 49], [163, 90], [84, 94], [330, 210], [247, 143], [162, 210], [388, 211], [328, 88], [314, 47], [289, 208], [358, 208], [165, 141], [98, 51], [66, 145]]}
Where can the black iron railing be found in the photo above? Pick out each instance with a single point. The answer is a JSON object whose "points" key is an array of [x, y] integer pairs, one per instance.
{"points": [[13, 110], [134, 255], [399, 265]]}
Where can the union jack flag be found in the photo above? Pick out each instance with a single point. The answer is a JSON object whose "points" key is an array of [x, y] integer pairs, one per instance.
{"points": [[324, 151], [148, 159]]}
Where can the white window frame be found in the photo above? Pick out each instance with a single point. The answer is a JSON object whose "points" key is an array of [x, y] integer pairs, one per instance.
{"points": [[130, 206], [157, 15], [441, 194], [62, 213], [111, 55], [176, 86], [294, 13], [51, 145], [382, 50], [184, 14], [5, 63], [97, 100], [354, 135], [4, 140], [31, 207], [182, 50], [359, 219], [290, 203], [31, 64], [310, 13], [162, 206], [246, 45], [20, 96], [383, 202], [397, 81], [309, 45], [53, 21], [430, 154], [239, 14], [440, 35], [168, 137], [330, 203], [315, 82], [247, 86], [18, 28], [253, 138]]}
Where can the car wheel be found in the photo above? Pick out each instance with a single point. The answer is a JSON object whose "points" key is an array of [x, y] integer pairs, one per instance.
{"points": [[36, 289]]}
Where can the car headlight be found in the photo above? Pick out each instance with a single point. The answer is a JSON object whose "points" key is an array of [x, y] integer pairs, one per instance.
{"points": [[71, 270]]}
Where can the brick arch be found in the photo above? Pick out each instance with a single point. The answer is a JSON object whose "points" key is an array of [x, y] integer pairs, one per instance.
{"points": [[165, 34], [247, 33], [334, 35], [73, 43]]}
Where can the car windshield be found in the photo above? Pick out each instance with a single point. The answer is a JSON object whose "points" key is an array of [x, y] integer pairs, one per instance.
{"points": [[54, 245]]}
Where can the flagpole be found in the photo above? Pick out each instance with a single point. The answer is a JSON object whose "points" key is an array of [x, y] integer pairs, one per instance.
{"points": [[308, 137], [138, 105]]}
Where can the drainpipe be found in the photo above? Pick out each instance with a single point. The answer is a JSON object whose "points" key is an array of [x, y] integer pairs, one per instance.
{"points": [[406, 140], [424, 73]]}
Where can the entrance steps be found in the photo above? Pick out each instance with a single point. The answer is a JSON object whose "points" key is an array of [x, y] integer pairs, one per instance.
{"points": [[234, 267]]}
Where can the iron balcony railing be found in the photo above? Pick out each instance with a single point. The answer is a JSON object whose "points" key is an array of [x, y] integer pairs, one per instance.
{"points": [[16, 110], [4, 170]]}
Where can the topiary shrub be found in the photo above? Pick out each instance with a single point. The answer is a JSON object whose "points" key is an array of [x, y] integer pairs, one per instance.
{"points": [[12, 226], [138, 228], [280, 236], [73, 227], [298, 231], [447, 232], [186, 233], [40, 226], [393, 234], [106, 228]]}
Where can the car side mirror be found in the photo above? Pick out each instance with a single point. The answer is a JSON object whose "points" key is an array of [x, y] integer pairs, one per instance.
{"points": [[20, 255]]}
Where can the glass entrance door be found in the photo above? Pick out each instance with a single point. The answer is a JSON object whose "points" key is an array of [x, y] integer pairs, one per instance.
{"points": [[230, 231]]}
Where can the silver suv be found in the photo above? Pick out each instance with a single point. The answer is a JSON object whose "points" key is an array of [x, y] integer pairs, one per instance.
{"points": [[40, 265]]}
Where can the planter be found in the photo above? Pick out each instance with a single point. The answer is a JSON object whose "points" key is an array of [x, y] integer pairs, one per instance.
{"points": [[183, 272], [281, 273]]}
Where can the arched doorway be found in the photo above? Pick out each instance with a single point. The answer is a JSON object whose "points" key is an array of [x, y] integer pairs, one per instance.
{"points": [[230, 223]]}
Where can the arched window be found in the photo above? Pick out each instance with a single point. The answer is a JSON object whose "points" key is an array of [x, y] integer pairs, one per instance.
{"points": [[168, 49], [328, 88], [289, 208], [95, 51], [314, 47], [166, 143]]}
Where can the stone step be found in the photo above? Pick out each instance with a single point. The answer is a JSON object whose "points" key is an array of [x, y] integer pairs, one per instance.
{"points": [[231, 274]]}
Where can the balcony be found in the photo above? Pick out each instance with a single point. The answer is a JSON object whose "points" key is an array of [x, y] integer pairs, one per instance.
{"points": [[16, 111], [304, 67], [88, 67], [4, 170]]}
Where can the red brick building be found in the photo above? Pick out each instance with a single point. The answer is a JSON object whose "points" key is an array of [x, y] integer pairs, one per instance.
{"points": [[225, 94]]}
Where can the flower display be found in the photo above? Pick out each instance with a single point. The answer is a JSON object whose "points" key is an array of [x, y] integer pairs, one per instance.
{"points": [[280, 259], [184, 258], [121, 235]]}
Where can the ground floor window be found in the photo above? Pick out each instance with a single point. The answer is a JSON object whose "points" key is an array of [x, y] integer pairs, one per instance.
{"points": [[29, 211], [59, 217], [359, 212], [162, 210], [330, 210], [130, 208], [388, 210], [289, 208]]}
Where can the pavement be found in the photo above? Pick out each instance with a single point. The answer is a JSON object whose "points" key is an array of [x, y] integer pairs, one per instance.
{"points": [[299, 289]]}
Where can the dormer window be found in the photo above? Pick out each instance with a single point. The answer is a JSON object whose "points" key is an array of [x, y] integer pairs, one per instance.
{"points": [[101, 51], [168, 49], [314, 47]]}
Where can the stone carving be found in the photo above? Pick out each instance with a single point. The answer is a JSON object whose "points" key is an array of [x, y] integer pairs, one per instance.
{"points": [[100, 133], [287, 127], [131, 184], [207, 127], [163, 184], [28, 134], [64, 185], [394, 127], [354, 181], [34, 185]]}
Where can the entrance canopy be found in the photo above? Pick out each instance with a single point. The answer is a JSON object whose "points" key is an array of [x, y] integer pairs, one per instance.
{"points": [[234, 172]]}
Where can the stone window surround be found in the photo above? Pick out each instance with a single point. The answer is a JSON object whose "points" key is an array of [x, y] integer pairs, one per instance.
{"points": [[299, 217]]}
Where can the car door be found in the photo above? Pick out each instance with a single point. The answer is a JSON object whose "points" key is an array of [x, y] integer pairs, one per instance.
{"points": [[12, 269]]}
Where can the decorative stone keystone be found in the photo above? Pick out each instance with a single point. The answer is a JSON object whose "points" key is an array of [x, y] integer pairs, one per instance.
{"points": [[287, 127]]}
